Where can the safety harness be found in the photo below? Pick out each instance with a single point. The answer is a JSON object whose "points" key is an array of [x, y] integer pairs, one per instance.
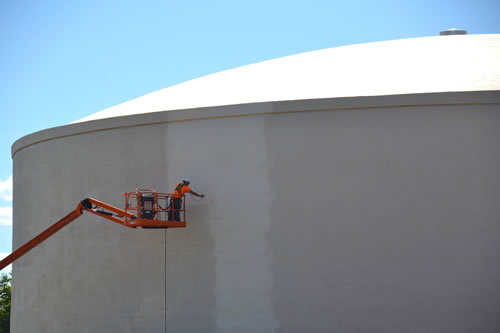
{"points": [[178, 189]]}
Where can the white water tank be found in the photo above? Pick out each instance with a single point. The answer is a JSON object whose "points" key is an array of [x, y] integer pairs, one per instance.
{"points": [[349, 189]]}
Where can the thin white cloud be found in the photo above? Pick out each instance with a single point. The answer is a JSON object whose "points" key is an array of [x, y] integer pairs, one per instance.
{"points": [[6, 189], [7, 269], [6, 216]]}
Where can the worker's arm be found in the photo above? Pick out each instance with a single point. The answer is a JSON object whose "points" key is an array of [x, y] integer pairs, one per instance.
{"points": [[196, 194]]}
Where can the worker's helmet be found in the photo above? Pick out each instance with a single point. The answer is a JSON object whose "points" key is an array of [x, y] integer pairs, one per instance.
{"points": [[186, 180]]}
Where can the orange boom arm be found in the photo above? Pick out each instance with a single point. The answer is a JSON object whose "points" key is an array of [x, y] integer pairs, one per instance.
{"points": [[83, 205], [144, 202], [42, 236]]}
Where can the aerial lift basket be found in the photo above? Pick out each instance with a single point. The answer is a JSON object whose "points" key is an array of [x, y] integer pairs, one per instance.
{"points": [[153, 209]]}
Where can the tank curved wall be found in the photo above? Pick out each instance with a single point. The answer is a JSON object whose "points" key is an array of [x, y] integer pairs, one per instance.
{"points": [[370, 214]]}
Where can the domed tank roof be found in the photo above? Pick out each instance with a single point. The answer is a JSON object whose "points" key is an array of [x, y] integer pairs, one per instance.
{"points": [[408, 66]]}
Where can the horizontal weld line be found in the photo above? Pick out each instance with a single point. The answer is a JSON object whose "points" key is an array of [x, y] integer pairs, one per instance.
{"points": [[252, 115]]}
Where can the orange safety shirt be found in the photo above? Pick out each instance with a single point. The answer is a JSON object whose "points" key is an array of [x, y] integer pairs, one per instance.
{"points": [[184, 189]]}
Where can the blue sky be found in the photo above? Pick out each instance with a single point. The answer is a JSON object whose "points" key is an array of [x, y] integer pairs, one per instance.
{"points": [[63, 60]]}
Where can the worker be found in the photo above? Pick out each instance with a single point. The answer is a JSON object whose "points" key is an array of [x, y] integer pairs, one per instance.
{"points": [[176, 200]]}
